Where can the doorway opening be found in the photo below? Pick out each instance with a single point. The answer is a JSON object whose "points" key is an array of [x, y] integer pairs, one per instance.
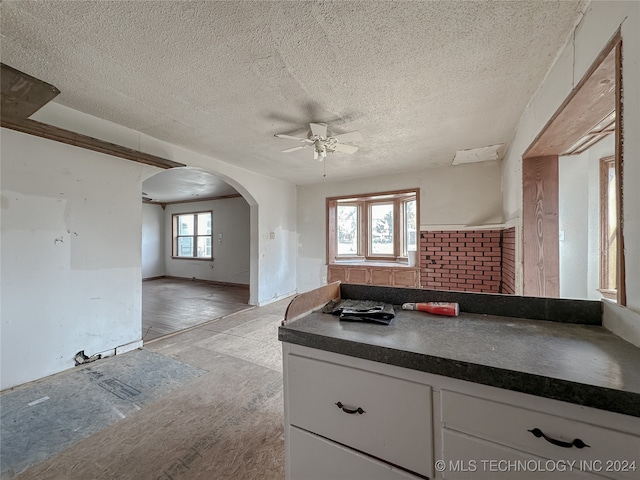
{"points": [[196, 251], [590, 117]]}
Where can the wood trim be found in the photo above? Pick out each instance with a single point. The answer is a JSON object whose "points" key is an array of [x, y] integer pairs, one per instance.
{"points": [[621, 287], [62, 135], [367, 196], [307, 302], [548, 141], [604, 223], [212, 282], [540, 213], [205, 199]]}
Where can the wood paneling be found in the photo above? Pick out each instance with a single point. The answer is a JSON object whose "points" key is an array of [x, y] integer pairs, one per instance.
{"points": [[540, 235], [307, 302], [391, 276]]}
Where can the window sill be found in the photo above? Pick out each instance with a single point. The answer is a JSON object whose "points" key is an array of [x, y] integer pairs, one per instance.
{"points": [[371, 263], [201, 259], [609, 294]]}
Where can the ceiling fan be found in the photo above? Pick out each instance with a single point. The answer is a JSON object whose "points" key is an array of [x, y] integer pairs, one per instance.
{"points": [[322, 143]]}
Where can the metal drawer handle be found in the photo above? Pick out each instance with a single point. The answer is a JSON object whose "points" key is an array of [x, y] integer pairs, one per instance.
{"points": [[348, 410], [576, 443]]}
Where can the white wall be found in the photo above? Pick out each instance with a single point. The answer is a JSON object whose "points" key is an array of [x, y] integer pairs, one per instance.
{"points": [[600, 23], [579, 219], [71, 255], [153, 241], [231, 256], [272, 202], [450, 197]]}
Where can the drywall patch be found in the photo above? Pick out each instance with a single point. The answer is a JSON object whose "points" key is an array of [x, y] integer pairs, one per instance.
{"points": [[477, 155]]}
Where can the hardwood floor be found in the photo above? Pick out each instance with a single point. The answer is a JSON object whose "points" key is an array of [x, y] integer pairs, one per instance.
{"points": [[173, 304], [225, 424]]}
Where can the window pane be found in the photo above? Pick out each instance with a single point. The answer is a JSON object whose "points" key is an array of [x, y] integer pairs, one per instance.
{"points": [[204, 247], [347, 230], [410, 227], [185, 246], [382, 228], [185, 224], [204, 224]]}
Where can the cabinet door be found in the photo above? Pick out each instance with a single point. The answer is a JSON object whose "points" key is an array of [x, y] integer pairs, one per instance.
{"points": [[314, 458]]}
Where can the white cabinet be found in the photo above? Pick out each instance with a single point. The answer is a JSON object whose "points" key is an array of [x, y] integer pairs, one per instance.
{"points": [[315, 458], [439, 427], [573, 442], [382, 416]]}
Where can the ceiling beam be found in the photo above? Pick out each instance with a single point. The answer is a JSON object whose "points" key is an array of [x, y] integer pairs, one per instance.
{"points": [[23, 95], [57, 134]]}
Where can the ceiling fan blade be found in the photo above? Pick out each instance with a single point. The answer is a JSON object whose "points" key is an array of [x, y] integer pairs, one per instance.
{"points": [[319, 129], [294, 149], [345, 148], [289, 137], [349, 137]]}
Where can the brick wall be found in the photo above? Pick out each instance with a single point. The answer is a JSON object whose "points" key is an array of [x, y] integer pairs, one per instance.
{"points": [[462, 260], [508, 261]]}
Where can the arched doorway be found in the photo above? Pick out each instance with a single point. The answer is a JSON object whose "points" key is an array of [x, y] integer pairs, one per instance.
{"points": [[196, 250]]}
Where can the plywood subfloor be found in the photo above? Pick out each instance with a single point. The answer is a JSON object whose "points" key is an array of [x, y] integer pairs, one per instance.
{"points": [[225, 424], [173, 304]]}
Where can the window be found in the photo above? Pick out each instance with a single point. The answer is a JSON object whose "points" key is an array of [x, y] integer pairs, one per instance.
{"points": [[380, 226], [192, 235], [608, 228]]}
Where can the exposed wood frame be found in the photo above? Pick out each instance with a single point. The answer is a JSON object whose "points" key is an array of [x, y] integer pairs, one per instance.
{"points": [[50, 132], [622, 286], [570, 121], [550, 140], [605, 259]]}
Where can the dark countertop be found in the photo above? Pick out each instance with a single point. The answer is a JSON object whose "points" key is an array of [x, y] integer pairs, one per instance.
{"points": [[581, 364]]}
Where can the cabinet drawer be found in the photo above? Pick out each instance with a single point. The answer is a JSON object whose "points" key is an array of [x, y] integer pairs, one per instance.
{"points": [[467, 457], [314, 458], [509, 426], [395, 425]]}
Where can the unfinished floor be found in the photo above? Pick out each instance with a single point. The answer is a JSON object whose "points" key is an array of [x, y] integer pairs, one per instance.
{"points": [[224, 422]]}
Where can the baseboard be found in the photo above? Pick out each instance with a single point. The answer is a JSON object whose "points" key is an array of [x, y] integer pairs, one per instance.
{"points": [[213, 282]]}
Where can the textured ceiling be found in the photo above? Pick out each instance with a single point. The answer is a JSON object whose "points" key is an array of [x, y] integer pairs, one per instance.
{"points": [[419, 80]]}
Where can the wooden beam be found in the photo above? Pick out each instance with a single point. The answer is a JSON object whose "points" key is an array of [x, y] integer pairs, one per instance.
{"points": [[203, 199], [22, 94], [57, 134]]}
